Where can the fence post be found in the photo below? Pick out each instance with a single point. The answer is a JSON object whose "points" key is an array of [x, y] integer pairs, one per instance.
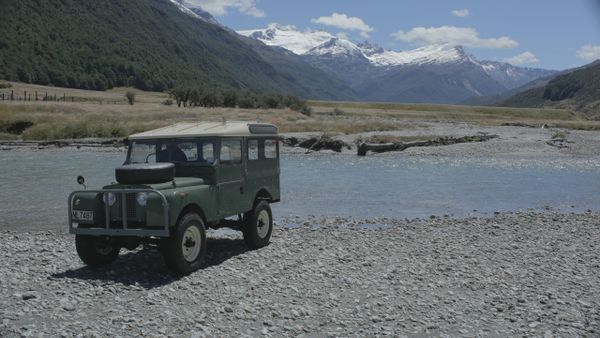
{"points": [[36, 98], [29, 98], [12, 95], [46, 97]]}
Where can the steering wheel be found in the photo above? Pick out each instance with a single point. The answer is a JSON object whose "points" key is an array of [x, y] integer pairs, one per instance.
{"points": [[148, 157]]}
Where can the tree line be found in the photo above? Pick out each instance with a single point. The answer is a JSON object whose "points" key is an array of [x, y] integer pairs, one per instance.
{"points": [[213, 97]]}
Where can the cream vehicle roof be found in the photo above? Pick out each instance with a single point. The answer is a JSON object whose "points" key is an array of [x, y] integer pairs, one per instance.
{"points": [[207, 129]]}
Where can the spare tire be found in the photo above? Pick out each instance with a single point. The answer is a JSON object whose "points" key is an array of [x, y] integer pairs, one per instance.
{"points": [[145, 173]]}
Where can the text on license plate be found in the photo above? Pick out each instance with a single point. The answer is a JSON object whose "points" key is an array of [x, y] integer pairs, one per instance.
{"points": [[82, 215]]}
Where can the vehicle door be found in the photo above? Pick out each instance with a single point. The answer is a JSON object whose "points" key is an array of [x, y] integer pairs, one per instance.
{"points": [[230, 181], [263, 166]]}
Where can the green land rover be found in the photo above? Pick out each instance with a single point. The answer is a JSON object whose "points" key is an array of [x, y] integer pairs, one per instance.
{"points": [[176, 182]]}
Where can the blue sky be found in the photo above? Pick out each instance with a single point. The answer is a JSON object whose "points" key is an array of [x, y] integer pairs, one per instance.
{"points": [[553, 34]]}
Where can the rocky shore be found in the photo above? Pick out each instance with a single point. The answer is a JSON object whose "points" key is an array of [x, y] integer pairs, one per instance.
{"points": [[523, 274], [419, 138]]}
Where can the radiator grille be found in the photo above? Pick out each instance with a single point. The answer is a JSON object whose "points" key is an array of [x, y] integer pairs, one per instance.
{"points": [[131, 205]]}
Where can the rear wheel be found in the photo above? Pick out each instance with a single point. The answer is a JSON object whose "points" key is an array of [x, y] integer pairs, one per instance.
{"points": [[184, 250], [96, 250], [258, 225]]}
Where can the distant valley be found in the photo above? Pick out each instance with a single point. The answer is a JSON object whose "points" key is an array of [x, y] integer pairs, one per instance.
{"points": [[434, 74]]}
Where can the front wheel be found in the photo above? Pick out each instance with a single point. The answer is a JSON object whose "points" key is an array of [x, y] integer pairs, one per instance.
{"points": [[184, 250], [96, 250], [258, 225]]}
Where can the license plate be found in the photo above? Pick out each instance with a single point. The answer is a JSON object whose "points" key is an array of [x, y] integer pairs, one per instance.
{"points": [[82, 215]]}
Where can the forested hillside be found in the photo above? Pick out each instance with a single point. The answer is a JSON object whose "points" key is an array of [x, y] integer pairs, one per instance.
{"points": [[148, 44], [578, 90]]}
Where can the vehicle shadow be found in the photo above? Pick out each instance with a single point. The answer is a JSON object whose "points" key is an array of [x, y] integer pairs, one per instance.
{"points": [[145, 268]]}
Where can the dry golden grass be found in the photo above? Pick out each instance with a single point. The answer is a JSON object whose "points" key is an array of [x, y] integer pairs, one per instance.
{"points": [[560, 118], [107, 114]]}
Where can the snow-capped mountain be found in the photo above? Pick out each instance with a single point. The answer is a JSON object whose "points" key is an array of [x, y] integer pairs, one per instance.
{"points": [[510, 76], [318, 43], [195, 12], [288, 37], [448, 73]]}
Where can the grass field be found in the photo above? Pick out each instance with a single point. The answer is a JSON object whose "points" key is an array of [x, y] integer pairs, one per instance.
{"points": [[107, 114]]}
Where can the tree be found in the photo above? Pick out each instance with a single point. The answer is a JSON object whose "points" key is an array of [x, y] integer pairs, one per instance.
{"points": [[130, 97]]}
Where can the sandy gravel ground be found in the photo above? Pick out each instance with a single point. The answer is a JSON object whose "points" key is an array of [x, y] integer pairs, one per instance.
{"points": [[512, 140], [525, 274]]}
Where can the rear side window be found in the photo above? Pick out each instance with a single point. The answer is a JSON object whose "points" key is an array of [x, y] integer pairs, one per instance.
{"points": [[253, 150], [270, 148], [208, 152], [231, 151]]}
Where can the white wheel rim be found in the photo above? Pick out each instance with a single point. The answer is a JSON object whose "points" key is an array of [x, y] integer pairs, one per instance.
{"points": [[263, 223], [191, 243]]}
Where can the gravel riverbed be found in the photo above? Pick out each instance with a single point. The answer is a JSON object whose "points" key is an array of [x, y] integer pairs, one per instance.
{"points": [[528, 273]]}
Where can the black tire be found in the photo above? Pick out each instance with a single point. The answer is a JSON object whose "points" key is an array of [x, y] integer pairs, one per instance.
{"points": [[96, 250], [144, 173], [255, 235], [180, 251]]}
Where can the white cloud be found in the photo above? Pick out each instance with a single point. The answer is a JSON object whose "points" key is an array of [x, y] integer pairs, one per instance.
{"points": [[589, 53], [523, 58], [461, 13], [343, 35], [343, 21], [454, 36], [220, 7]]}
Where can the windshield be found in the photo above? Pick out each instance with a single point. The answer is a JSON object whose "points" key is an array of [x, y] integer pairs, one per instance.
{"points": [[192, 152]]}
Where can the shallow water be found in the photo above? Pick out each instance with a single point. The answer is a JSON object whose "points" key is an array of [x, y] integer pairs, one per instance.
{"points": [[35, 185]]}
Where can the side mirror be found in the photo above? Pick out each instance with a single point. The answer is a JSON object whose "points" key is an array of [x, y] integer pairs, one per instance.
{"points": [[81, 181]]}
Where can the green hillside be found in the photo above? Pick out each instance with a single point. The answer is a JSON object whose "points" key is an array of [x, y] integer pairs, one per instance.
{"points": [[577, 90], [149, 44]]}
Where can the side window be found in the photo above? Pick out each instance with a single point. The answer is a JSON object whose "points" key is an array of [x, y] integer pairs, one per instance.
{"points": [[270, 148], [140, 152], [231, 151], [253, 150], [190, 149], [208, 152]]}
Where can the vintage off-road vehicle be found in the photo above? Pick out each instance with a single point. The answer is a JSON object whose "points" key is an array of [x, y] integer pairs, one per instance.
{"points": [[176, 182]]}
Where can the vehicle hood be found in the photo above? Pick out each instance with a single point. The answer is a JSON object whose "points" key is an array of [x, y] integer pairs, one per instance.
{"points": [[178, 182]]}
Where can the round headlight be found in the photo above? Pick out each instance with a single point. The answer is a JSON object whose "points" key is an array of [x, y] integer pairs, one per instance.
{"points": [[109, 198], [141, 198]]}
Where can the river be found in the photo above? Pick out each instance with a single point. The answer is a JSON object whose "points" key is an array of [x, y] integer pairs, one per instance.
{"points": [[35, 185]]}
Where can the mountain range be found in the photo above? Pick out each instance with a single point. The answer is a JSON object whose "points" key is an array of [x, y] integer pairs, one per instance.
{"points": [[436, 74], [163, 44]]}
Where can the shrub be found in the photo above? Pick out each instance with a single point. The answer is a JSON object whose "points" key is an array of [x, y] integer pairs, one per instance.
{"points": [[130, 97], [168, 102], [5, 85], [338, 112], [305, 110], [15, 127]]}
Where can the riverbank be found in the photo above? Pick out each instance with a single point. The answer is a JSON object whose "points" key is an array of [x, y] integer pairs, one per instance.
{"points": [[524, 274], [107, 114], [517, 140]]}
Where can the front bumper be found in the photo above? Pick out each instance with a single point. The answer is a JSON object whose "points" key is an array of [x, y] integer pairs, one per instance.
{"points": [[108, 228]]}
